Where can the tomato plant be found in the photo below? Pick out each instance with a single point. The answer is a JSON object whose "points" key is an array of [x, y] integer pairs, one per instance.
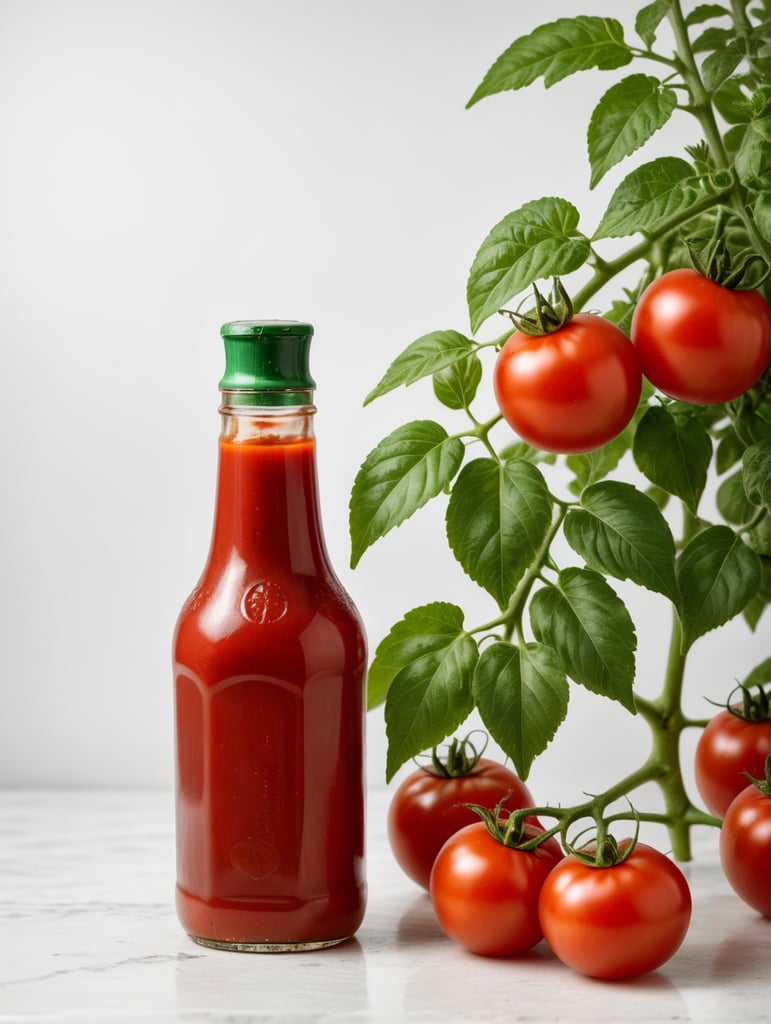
{"points": [[551, 533], [570, 390], [698, 341], [745, 843], [618, 919], [735, 743], [432, 803], [485, 893]]}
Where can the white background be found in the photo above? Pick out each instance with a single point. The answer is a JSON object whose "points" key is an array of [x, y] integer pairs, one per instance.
{"points": [[167, 166]]}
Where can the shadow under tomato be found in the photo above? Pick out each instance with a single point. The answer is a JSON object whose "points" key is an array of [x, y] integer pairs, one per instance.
{"points": [[418, 925], [745, 952]]}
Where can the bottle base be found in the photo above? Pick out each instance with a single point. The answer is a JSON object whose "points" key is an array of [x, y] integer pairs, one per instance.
{"points": [[268, 947]]}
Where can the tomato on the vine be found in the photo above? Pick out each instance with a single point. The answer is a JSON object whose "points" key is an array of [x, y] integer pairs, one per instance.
{"points": [[485, 894], [730, 745], [427, 808], [616, 921], [570, 390], [698, 341], [745, 844]]}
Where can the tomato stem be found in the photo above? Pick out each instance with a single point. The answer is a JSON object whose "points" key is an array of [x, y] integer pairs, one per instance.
{"points": [[702, 109], [667, 722], [605, 271], [460, 759]]}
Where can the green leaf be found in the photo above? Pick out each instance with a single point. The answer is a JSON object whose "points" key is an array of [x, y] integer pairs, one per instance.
{"points": [[589, 627], [523, 450], [539, 240], [456, 385], [648, 197], [718, 575], [421, 632], [728, 452], [731, 103], [759, 537], [759, 676], [754, 609], [753, 159], [497, 518], [430, 695], [732, 502], [713, 38], [762, 212], [622, 311], [522, 696], [621, 532], [704, 12], [756, 473], [721, 64], [409, 467], [674, 451], [649, 18], [753, 425], [625, 118], [554, 51], [428, 354]]}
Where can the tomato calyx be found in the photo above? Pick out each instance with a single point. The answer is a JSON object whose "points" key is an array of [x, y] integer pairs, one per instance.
{"points": [[763, 785], [753, 708], [460, 758], [605, 851], [605, 854], [511, 829], [548, 315]]}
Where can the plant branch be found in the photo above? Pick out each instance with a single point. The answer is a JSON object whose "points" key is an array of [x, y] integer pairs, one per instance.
{"points": [[605, 271]]}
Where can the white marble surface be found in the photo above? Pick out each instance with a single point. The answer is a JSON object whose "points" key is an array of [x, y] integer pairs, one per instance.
{"points": [[88, 934]]}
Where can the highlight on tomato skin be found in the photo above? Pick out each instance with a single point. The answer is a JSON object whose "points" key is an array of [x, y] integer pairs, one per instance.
{"points": [[427, 808], [745, 844], [485, 894], [699, 342], [729, 747], [619, 921], [571, 390]]}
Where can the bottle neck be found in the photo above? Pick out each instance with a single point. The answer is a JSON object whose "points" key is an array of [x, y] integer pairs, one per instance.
{"points": [[267, 509]]}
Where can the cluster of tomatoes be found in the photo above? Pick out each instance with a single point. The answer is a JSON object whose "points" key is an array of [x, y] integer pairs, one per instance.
{"points": [[733, 750], [613, 913], [575, 388]]}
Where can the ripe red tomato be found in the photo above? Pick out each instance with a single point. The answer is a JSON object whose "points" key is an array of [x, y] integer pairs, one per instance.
{"points": [[745, 848], [699, 342], [485, 894], [619, 921], [425, 810], [572, 390], [728, 747]]}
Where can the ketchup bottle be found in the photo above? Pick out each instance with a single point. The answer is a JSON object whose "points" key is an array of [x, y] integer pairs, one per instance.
{"points": [[269, 666]]}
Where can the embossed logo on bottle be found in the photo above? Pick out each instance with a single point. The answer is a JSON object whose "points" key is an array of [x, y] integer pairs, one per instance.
{"points": [[255, 858], [264, 602]]}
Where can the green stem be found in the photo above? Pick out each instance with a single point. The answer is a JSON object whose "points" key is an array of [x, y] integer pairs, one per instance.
{"points": [[666, 720], [513, 613], [595, 806], [743, 27], [481, 431], [606, 270], [703, 111], [701, 105]]}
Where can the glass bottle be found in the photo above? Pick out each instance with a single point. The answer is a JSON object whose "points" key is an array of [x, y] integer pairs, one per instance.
{"points": [[269, 666]]}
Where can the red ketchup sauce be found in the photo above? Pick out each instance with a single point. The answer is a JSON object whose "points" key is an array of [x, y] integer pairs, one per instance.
{"points": [[269, 662]]}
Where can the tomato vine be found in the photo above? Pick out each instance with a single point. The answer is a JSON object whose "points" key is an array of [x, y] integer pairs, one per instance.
{"points": [[557, 624]]}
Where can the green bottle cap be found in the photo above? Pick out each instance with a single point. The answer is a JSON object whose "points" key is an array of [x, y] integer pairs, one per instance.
{"points": [[270, 360]]}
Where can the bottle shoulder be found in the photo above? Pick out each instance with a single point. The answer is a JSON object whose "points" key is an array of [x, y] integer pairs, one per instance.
{"points": [[254, 612]]}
